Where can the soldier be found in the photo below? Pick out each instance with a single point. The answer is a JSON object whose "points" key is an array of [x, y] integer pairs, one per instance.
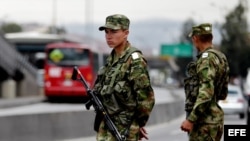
{"points": [[205, 118], [123, 84]]}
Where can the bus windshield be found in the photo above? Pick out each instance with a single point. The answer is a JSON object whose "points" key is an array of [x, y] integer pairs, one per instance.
{"points": [[68, 56]]}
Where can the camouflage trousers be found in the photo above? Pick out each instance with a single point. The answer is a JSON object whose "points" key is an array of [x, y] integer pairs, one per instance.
{"points": [[206, 132], [104, 134]]}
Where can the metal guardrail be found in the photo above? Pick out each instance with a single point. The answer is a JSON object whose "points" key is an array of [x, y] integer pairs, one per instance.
{"points": [[11, 60], [7, 57]]}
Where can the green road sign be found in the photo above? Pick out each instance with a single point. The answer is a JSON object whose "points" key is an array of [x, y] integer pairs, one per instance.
{"points": [[177, 50]]}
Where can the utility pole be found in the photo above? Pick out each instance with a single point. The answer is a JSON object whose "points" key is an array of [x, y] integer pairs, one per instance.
{"points": [[88, 17], [54, 15]]}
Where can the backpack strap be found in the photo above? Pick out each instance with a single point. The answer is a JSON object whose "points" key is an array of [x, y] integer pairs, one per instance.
{"points": [[217, 53], [129, 53]]}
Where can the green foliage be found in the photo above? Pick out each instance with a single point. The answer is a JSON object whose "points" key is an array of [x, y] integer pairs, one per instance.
{"points": [[235, 41], [11, 28]]}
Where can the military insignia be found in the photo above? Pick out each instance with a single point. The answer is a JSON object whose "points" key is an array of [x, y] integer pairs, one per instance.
{"points": [[204, 55], [207, 28], [135, 55]]}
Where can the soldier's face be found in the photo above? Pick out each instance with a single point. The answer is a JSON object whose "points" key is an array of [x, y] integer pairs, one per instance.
{"points": [[195, 41], [115, 38]]}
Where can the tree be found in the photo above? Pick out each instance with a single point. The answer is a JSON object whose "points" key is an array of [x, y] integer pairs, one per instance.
{"points": [[235, 42], [11, 28]]}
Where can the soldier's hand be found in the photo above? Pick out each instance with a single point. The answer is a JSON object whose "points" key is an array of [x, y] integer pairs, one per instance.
{"points": [[186, 126], [143, 134]]}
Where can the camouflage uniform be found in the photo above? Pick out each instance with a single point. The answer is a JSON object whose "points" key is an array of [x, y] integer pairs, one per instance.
{"points": [[213, 75], [191, 86], [124, 87]]}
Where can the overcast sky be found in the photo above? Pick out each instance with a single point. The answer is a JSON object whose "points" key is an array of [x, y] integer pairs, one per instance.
{"points": [[63, 12]]}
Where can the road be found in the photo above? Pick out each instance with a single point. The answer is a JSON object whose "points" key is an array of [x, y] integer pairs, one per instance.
{"points": [[54, 121], [166, 131], [37, 105], [171, 130]]}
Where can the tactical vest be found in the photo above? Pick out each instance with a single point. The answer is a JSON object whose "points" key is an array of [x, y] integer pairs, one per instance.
{"points": [[113, 86], [191, 86], [191, 83]]}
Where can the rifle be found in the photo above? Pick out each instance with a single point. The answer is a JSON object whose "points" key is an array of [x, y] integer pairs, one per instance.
{"points": [[98, 106]]}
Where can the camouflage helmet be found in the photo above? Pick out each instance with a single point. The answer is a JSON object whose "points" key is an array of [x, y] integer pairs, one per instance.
{"points": [[116, 22], [202, 29]]}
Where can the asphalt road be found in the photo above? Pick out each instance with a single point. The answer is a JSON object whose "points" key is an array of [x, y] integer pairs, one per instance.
{"points": [[171, 130]]}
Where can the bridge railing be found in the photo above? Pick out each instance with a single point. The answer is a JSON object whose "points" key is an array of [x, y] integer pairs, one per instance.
{"points": [[12, 62]]}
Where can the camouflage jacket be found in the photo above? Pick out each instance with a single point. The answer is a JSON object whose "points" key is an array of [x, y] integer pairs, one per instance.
{"points": [[124, 86], [213, 77]]}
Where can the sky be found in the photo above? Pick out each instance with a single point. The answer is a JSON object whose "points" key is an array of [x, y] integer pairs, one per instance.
{"points": [[61, 12]]}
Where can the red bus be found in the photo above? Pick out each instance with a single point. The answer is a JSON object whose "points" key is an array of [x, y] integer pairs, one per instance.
{"points": [[60, 59]]}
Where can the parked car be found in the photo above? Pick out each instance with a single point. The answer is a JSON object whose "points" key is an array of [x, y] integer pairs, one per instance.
{"points": [[235, 103]]}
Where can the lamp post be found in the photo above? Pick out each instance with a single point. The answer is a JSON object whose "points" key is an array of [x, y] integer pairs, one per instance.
{"points": [[54, 15], [88, 17]]}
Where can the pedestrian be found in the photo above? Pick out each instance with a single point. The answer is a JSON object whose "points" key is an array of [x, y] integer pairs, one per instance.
{"points": [[123, 84], [205, 118]]}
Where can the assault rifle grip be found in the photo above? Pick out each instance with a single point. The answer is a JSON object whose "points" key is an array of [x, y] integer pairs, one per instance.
{"points": [[97, 104]]}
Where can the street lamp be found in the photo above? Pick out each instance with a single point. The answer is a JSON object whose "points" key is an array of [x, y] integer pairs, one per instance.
{"points": [[54, 15]]}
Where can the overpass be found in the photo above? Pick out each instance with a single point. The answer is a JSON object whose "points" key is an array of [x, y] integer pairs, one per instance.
{"points": [[18, 76]]}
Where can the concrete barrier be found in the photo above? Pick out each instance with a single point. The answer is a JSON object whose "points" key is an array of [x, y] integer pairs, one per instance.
{"points": [[69, 124], [8, 89], [165, 112], [46, 127]]}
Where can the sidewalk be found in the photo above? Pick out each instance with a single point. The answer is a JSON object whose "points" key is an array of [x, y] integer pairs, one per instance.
{"points": [[14, 102]]}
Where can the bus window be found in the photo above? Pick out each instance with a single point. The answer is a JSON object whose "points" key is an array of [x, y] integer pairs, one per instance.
{"points": [[69, 56], [56, 55]]}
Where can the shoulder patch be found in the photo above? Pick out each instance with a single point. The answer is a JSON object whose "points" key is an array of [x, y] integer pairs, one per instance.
{"points": [[204, 55], [135, 55]]}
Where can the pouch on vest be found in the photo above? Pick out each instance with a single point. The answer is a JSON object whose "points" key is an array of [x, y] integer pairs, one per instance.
{"points": [[191, 86]]}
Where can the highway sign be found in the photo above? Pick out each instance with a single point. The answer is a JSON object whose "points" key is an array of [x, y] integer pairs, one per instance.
{"points": [[177, 50]]}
